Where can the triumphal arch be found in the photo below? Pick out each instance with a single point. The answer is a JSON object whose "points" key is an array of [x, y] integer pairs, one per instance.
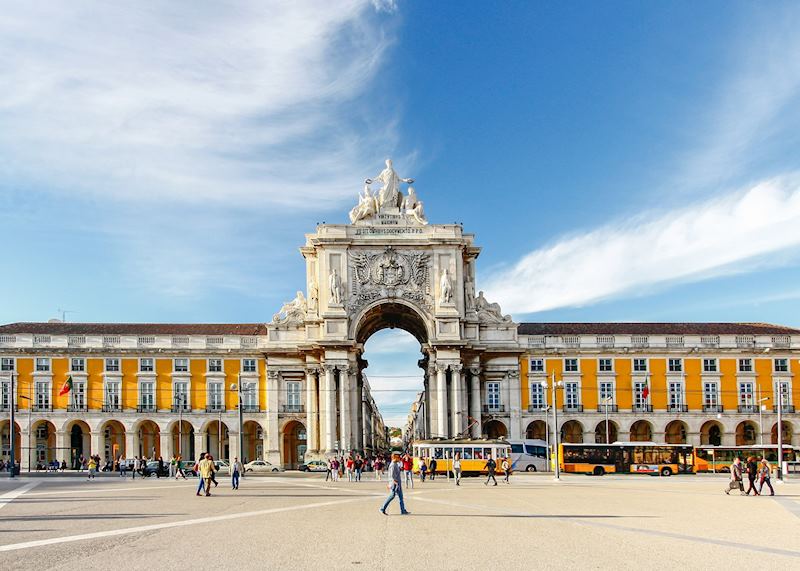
{"points": [[390, 268]]}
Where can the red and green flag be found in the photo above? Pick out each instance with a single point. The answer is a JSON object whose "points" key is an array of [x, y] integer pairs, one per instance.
{"points": [[67, 388]]}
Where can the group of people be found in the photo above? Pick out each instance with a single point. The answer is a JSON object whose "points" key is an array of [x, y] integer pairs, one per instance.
{"points": [[755, 471], [206, 469], [353, 466]]}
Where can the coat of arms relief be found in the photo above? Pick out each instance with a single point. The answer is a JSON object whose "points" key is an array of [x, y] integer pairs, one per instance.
{"points": [[389, 273]]}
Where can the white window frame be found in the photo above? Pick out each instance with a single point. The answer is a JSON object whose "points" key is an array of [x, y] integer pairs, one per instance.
{"points": [[151, 393], [640, 402], [751, 401], [538, 398], [569, 394], [782, 382], [294, 395], [249, 394], [605, 361], [745, 362], [80, 361], [5, 394], [710, 361], [115, 362], [8, 364], [42, 365], [784, 366], [577, 365], [78, 394], [245, 368], [715, 394], [676, 399], [215, 389], [112, 393], [494, 399], [219, 365], [187, 403], [175, 365], [646, 365], [42, 399], [671, 362], [539, 367], [152, 368], [601, 393]]}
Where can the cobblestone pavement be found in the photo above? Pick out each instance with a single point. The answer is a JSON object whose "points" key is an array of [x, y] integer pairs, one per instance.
{"points": [[294, 521]]}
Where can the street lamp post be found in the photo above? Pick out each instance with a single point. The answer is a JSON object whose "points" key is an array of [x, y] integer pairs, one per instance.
{"points": [[238, 388], [546, 424], [556, 433], [761, 418], [780, 432], [179, 397], [606, 402], [12, 431]]}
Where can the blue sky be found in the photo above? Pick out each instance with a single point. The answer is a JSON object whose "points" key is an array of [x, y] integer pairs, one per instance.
{"points": [[622, 161]]}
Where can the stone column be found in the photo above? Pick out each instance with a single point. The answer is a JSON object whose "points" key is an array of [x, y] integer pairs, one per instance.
{"points": [[328, 402], [345, 423], [365, 424], [272, 453], [426, 411], [475, 401], [200, 445], [311, 410], [26, 459], [456, 413], [131, 444], [358, 394], [63, 447], [441, 400], [165, 447], [514, 403], [97, 444]]}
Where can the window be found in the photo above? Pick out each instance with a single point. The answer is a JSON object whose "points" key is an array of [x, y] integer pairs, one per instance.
{"points": [[537, 396], [745, 365], [77, 365], [493, 395], [249, 366], [571, 395], [113, 395], [181, 395], [785, 396], [293, 395], [215, 396], [781, 365], [146, 365], [112, 365], [250, 395], [676, 365], [605, 366], [42, 364], [42, 397], [675, 390], [640, 365], [606, 392], [147, 395], [746, 394], [215, 365], [641, 393], [710, 396], [7, 364], [181, 365], [571, 365], [537, 365], [5, 395], [709, 365], [79, 395]]}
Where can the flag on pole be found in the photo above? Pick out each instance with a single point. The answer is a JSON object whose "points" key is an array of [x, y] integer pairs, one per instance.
{"points": [[67, 388], [645, 391]]}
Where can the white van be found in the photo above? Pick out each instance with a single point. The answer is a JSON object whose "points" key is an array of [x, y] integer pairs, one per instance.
{"points": [[528, 455]]}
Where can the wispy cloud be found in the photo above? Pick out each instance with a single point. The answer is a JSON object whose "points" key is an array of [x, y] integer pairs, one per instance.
{"points": [[239, 104], [718, 237]]}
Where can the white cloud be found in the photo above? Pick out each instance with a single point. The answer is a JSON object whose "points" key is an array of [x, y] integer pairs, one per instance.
{"points": [[243, 104], [713, 238]]}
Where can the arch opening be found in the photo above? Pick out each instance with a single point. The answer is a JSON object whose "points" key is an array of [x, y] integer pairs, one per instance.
{"points": [[572, 432], [711, 433], [676, 432], [600, 432]]}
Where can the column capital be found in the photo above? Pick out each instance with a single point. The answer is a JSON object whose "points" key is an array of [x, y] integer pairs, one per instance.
{"points": [[512, 373], [441, 367], [457, 368], [273, 375], [328, 367], [475, 371], [312, 370]]}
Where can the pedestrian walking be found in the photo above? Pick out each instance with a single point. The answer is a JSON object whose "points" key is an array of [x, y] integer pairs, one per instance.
{"points": [[160, 469], [408, 470], [432, 468], [457, 468], [359, 466], [236, 470], [491, 466], [92, 467], [173, 466], [765, 472], [63, 465], [179, 468], [506, 466], [123, 467], [736, 477], [206, 467], [349, 467], [329, 472], [213, 472], [201, 483], [752, 474], [395, 485], [423, 469]]}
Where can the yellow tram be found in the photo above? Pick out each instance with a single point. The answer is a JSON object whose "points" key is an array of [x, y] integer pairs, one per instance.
{"points": [[474, 454]]}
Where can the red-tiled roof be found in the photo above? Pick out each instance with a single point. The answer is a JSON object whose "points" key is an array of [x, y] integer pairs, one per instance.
{"points": [[655, 329], [135, 328]]}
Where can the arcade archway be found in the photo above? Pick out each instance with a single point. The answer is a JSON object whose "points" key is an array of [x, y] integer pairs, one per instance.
{"points": [[293, 450], [641, 431], [600, 432], [537, 430], [675, 432], [746, 433], [5, 441], [494, 429], [711, 433], [572, 432], [79, 442], [43, 443], [113, 440], [149, 440]]}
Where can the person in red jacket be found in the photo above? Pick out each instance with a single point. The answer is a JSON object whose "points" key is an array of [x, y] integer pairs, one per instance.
{"points": [[408, 469]]}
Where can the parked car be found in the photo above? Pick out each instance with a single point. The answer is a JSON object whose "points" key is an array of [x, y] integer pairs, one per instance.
{"points": [[151, 469], [261, 466], [222, 466], [314, 466]]}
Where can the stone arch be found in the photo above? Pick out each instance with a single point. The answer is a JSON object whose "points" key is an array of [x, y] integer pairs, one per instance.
{"points": [[495, 428], [711, 433], [572, 432], [218, 449], [600, 432], [746, 433], [43, 442], [676, 432], [5, 429], [148, 437], [641, 431], [79, 435], [113, 438], [396, 314], [293, 444], [253, 437], [537, 430], [786, 434], [182, 439]]}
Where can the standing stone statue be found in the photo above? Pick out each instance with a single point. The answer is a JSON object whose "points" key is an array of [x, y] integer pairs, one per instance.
{"points": [[335, 283], [313, 298], [446, 287], [389, 194]]}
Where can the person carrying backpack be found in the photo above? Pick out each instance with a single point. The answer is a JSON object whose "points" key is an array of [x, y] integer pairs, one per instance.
{"points": [[491, 466]]}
